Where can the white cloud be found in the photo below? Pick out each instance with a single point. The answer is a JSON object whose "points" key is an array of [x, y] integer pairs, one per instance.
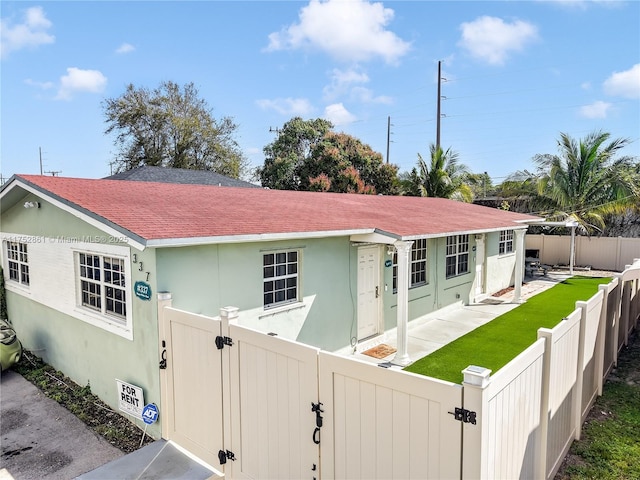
{"points": [[365, 95], [77, 80], [624, 84], [584, 4], [492, 39], [125, 48], [29, 34], [40, 85], [287, 106], [338, 114], [341, 82], [349, 83], [351, 31], [597, 109]]}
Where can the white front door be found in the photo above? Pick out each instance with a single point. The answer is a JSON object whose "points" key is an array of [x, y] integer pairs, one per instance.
{"points": [[368, 292]]}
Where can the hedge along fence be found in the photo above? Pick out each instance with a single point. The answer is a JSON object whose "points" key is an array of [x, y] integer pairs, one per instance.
{"points": [[531, 410]]}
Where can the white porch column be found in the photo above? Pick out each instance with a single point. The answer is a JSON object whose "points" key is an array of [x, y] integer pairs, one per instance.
{"points": [[402, 330], [573, 249], [519, 274]]}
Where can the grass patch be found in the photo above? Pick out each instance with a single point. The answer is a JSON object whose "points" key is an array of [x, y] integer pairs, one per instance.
{"points": [[496, 343], [609, 447]]}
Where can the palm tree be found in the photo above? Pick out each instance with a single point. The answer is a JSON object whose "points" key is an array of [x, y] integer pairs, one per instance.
{"points": [[444, 176], [586, 181]]}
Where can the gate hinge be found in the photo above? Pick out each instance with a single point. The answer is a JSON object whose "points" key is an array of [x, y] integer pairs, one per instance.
{"points": [[222, 341], [463, 415], [224, 455]]}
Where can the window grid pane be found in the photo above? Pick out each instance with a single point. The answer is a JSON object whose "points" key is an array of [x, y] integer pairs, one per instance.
{"points": [[280, 277], [419, 262], [505, 244], [418, 265], [90, 295], [457, 257], [18, 262], [102, 285]]}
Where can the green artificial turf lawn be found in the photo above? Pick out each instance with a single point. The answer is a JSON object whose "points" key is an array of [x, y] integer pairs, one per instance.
{"points": [[496, 343]]}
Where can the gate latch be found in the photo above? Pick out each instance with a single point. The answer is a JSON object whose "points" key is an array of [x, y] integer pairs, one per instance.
{"points": [[224, 455], [463, 415], [222, 341], [317, 408]]}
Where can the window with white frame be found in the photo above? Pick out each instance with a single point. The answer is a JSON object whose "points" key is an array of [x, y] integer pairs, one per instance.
{"points": [[280, 277], [457, 256], [18, 262], [506, 242], [102, 284], [417, 267]]}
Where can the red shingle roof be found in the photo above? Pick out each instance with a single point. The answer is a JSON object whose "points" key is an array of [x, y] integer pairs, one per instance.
{"points": [[163, 211]]}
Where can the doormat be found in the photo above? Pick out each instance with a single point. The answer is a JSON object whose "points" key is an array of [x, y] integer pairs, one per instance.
{"points": [[492, 301], [380, 351]]}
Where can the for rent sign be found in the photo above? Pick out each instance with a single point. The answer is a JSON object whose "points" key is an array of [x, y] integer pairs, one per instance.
{"points": [[130, 398]]}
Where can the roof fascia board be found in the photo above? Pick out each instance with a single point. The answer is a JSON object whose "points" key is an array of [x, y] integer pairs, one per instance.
{"points": [[263, 237], [464, 232], [374, 237], [82, 213]]}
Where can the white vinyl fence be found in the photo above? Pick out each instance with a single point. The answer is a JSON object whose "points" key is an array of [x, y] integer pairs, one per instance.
{"points": [[292, 411], [544, 395], [599, 253]]}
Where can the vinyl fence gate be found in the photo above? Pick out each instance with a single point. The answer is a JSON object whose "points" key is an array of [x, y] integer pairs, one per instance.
{"points": [[256, 406]]}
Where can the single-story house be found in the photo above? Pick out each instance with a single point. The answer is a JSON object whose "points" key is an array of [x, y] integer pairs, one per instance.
{"points": [[84, 261]]}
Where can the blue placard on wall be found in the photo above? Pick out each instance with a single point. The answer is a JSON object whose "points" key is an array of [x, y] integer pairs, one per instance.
{"points": [[142, 290]]}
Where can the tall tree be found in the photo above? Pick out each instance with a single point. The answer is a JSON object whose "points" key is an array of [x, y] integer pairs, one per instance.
{"points": [[285, 155], [520, 192], [443, 176], [171, 126], [480, 183], [350, 166], [410, 183], [585, 180], [308, 155]]}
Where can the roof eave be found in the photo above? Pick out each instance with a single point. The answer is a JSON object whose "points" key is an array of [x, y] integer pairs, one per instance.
{"points": [[84, 214], [250, 238]]}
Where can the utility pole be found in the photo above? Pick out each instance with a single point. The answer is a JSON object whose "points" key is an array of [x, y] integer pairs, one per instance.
{"points": [[274, 130], [388, 136], [438, 104], [40, 150]]}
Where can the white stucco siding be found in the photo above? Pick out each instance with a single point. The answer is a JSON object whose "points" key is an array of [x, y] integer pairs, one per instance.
{"points": [[500, 272], [53, 280]]}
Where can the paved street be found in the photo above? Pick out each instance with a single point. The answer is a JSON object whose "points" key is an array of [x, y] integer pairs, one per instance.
{"points": [[43, 440]]}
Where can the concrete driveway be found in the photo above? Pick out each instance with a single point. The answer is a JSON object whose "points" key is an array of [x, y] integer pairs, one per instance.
{"points": [[43, 440]]}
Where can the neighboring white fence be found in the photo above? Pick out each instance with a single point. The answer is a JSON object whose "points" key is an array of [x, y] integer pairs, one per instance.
{"points": [[600, 253], [543, 396], [370, 422]]}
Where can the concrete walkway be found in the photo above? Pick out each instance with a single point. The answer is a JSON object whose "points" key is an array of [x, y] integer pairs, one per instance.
{"points": [[156, 461], [435, 330]]}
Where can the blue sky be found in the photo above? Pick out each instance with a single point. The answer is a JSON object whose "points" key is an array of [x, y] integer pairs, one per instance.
{"points": [[517, 74]]}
